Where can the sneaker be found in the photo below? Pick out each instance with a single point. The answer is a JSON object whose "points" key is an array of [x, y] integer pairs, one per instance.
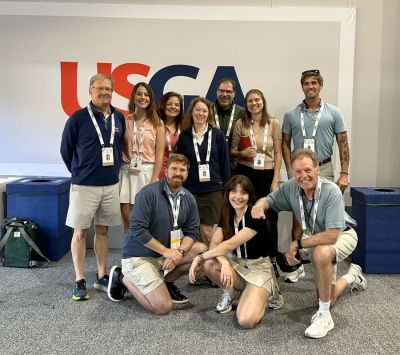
{"points": [[116, 289], [225, 303], [101, 283], [293, 277], [176, 294], [321, 324], [79, 292], [276, 271], [360, 283], [277, 301]]}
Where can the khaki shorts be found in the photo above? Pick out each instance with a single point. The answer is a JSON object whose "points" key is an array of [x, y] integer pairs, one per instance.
{"points": [[130, 184], [326, 171], [209, 206], [257, 272], [344, 246], [98, 202], [144, 272]]}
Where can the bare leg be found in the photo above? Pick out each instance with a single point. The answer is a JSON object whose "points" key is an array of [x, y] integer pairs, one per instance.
{"points": [[212, 268], [126, 209], [78, 251], [184, 266], [157, 301], [206, 233], [323, 258], [252, 305], [101, 249]]}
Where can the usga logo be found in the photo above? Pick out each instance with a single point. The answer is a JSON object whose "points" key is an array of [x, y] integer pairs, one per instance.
{"points": [[69, 76]]}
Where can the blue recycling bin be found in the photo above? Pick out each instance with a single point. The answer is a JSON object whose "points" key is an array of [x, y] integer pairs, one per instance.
{"points": [[44, 201], [377, 212]]}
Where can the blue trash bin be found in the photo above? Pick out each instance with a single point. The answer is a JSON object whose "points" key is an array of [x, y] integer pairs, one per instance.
{"points": [[377, 212], [45, 202]]}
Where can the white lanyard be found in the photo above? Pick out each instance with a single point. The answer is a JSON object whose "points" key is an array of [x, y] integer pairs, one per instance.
{"points": [[236, 227], [253, 137], [228, 131], [169, 139], [141, 138], [316, 121], [317, 195], [96, 126], [175, 209], [196, 148]]}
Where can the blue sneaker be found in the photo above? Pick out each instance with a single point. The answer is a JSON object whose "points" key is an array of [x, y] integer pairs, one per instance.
{"points": [[101, 283], [79, 292]]}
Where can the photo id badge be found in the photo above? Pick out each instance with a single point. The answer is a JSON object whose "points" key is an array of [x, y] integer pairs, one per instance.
{"points": [[259, 161], [136, 163], [108, 156], [204, 172], [309, 144], [176, 238]]}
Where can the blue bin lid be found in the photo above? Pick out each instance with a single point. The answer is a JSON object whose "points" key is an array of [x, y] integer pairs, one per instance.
{"points": [[382, 196], [39, 186]]}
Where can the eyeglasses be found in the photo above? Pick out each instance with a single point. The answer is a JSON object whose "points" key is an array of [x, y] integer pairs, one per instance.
{"points": [[227, 92], [313, 71], [100, 89]]}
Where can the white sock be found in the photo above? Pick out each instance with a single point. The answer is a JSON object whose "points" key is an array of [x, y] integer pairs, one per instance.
{"points": [[349, 278], [324, 306]]}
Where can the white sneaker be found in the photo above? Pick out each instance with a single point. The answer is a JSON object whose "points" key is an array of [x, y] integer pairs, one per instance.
{"points": [[360, 283], [225, 303], [321, 324], [293, 277], [277, 301]]}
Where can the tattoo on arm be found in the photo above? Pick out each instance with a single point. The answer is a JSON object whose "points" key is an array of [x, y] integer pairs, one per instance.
{"points": [[343, 147]]}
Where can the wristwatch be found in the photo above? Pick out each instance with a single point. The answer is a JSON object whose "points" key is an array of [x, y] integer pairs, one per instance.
{"points": [[182, 251]]}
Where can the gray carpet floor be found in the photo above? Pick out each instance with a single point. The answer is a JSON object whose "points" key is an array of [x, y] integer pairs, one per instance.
{"points": [[38, 317]]}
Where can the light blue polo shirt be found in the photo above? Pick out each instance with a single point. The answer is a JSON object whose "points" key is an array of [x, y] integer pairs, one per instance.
{"points": [[330, 212], [330, 123]]}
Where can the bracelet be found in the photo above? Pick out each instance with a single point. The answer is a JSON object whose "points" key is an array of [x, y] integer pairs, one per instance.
{"points": [[201, 257], [299, 246], [343, 173]]}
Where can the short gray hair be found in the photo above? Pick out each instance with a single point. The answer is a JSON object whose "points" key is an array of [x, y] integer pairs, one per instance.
{"points": [[100, 77]]}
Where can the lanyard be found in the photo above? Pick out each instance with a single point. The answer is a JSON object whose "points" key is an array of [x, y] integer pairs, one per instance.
{"points": [[175, 209], [253, 137], [169, 139], [141, 138], [98, 128], [196, 148], [228, 131], [316, 121], [313, 210], [236, 227]]}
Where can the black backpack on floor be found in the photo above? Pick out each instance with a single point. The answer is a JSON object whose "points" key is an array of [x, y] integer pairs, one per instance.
{"points": [[19, 243]]}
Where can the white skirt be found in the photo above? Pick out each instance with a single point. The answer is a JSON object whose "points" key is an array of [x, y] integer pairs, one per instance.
{"points": [[131, 184]]}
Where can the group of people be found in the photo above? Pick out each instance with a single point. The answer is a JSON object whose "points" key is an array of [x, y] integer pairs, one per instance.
{"points": [[193, 190]]}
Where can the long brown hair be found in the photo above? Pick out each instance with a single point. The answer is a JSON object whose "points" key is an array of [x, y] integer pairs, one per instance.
{"points": [[163, 104], [151, 111], [188, 119], [227, 211], [265, 117]]}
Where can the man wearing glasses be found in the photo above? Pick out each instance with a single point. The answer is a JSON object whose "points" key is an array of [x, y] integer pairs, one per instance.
{"points": [[313, 124], [226, 112], [91, 150]]}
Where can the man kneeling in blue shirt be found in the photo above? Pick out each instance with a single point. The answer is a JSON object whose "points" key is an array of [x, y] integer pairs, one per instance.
{"points": [[161, 242], [327, 232]]}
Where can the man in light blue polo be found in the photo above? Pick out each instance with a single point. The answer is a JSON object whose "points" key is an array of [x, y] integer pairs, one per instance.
{"points": [[314, 124], [326, 230]]}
